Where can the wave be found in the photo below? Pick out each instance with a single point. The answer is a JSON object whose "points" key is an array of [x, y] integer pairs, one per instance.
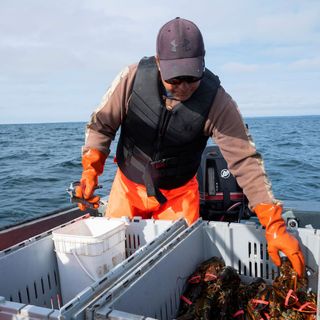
{"points": [[38, 162]]}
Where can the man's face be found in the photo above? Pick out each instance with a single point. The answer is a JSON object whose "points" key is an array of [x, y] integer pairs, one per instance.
{"points": [[181, 90]]}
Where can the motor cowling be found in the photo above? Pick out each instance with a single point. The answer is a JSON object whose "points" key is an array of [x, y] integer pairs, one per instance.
{"points": [[221, 198]]}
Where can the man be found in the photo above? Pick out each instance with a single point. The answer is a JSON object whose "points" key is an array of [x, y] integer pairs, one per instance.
{"points": [[168, 106]]}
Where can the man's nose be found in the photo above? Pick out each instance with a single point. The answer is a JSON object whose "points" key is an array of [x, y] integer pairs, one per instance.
{"points": [[184, 85]]}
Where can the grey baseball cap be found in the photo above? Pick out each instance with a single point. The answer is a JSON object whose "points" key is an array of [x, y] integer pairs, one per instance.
{"points": [[180, 49]]}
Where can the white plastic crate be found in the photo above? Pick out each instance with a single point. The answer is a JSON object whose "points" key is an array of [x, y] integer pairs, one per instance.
{"points": [[30, 284], [154, 290]]}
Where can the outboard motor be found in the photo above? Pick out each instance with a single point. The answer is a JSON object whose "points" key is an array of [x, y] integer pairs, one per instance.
{"points": [[221, 198]]}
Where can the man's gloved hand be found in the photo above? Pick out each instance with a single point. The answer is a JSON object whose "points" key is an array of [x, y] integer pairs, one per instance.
{"points": [[93, 164], [278, 238]]}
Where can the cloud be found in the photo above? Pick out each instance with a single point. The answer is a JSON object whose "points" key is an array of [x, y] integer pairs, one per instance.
{"points": [[67, 52], [312, 64], [302, 65], [240, 67], [289, 26]]}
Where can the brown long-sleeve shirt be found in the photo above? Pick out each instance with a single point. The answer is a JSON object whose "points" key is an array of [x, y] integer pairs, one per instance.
{"points": [[224, 124]]}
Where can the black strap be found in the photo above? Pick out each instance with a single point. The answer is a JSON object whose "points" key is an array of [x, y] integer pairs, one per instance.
{"points": [[152, 190]]}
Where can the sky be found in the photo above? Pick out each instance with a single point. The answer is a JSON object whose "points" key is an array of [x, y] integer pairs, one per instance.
{"points": [[57, 58]]}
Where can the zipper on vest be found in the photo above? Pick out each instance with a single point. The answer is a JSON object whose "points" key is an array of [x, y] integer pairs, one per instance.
{"points": [[165, 117], [164, 125]]}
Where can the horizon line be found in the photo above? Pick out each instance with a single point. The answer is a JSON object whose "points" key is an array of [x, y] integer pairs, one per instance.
{"points": [[244, 117]]}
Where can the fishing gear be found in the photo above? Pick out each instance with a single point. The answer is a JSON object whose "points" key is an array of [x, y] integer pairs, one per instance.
{"points": [[74, 199]]}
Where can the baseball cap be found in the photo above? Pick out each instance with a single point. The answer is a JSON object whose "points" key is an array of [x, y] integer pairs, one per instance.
{"points": [[180, 49]]}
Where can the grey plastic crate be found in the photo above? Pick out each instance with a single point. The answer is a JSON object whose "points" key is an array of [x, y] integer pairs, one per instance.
{"points": [[30, 285], [154, 290]]}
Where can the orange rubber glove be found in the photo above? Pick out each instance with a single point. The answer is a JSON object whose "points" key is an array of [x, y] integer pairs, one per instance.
{"points": [[93, 164], [278, 238]]}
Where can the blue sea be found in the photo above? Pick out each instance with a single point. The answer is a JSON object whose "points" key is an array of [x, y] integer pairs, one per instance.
{"points": [[38, 162]]}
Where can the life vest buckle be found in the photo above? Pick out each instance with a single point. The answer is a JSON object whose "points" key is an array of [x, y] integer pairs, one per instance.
{"points": [[160, 164]]}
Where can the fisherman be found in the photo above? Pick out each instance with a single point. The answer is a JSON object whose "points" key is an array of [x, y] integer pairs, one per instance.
{"points": [[168, 105]]}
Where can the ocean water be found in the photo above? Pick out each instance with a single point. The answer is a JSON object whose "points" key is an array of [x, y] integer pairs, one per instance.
{"points": [[38, 162]]}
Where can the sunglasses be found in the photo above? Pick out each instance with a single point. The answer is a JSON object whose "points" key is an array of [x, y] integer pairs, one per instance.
{"points": [[179, 80]]}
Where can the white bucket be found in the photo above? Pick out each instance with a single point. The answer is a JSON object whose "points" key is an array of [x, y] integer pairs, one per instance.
{"points": [[86, 250]]}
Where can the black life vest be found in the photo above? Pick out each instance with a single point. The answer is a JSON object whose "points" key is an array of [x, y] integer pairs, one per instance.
{"points": [[161, 148]]}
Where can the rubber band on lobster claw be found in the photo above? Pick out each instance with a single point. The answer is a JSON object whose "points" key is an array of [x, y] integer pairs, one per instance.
{"points": [[186, 300], [267, 316], [194, 279], [238, 314], [311, 305], [289, 295], [259, 304], [209, 277]]}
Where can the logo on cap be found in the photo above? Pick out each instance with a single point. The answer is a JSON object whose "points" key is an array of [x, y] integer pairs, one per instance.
{"points": [[174, 46], [186, 45]]}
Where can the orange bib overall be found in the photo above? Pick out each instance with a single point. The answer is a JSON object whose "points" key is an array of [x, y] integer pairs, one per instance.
{"points": [[130, 199]]}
